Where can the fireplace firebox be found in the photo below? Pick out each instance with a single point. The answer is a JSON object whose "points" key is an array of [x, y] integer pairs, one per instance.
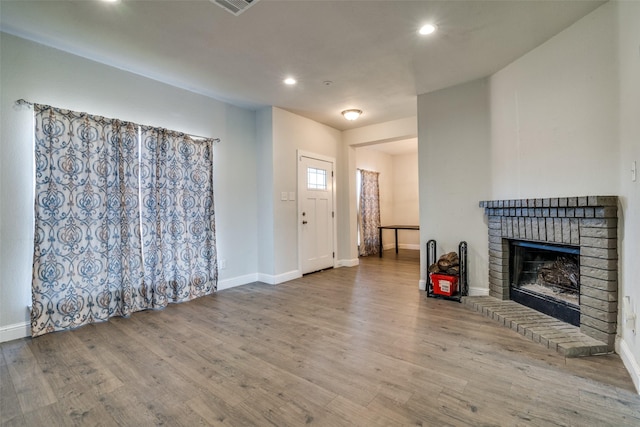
{"points": [[546, 278]]}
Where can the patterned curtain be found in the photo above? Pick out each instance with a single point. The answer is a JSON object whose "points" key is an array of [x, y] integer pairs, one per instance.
{"points": [[98, 251], [87, 262], [369, 213], [178, 229]]}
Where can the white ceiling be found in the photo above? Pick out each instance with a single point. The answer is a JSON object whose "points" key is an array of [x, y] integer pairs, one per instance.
{"points": [[370, 50]]}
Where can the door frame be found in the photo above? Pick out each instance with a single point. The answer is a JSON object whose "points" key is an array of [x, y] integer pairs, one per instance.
{"points": [[332, 160]]}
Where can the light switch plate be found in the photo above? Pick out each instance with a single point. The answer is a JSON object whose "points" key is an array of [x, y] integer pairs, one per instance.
{"points": [[292, 195], [283, 196]]}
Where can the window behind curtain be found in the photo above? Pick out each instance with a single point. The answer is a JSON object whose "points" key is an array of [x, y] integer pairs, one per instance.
{"points": [[100, 194]]}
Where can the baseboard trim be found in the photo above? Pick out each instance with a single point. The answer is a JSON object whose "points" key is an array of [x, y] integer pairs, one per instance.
{"points": [[629, 362], [237, 281], [269, 279], [280, 278], [410, 246], [413, 247], [473, 292], [347, 262], [478, 292], [15, 331]]}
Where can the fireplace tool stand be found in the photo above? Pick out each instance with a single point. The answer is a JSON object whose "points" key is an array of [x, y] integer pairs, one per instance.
{"points": [[463, 282]]}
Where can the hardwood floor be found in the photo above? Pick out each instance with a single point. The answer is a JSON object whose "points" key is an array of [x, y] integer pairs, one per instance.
{"points": [[350, 346]]}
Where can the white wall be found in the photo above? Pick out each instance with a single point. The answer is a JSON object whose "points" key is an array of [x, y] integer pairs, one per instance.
{"points": [[264, 213], [627, 16], [394, 130], [553, 116], [44, 75], [455, 174], [347, 255], [382, 163], [406, 198], [291, 133]]}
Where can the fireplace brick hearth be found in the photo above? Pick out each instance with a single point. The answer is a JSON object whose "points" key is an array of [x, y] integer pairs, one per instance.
{"points": [[588, 222]]}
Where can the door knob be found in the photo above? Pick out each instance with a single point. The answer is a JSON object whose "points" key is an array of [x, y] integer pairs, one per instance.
{"points": [[304, 222]]}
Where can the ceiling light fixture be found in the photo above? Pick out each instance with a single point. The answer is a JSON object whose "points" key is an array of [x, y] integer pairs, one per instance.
{"points": [[290, 81], [427, 29], [351, 114]]}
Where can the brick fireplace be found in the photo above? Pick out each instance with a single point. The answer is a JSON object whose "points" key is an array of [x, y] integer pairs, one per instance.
{"points": [[589, 223]]}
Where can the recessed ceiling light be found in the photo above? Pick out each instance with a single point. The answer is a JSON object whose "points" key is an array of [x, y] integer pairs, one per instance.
{"points": [[290, 81], [351, 114], [427, 29]]}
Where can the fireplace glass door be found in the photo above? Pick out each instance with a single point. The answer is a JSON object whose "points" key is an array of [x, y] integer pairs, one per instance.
{"points": [[546, 278]]}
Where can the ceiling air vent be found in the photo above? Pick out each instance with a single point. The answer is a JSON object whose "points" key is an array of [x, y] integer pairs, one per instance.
{"points": [[235, 6]]}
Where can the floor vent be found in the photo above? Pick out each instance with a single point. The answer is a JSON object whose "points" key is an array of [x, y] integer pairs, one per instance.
{"points": [[235, 6]]}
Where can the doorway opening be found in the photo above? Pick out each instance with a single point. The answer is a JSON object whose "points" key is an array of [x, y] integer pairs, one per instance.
{"points": [[397, 165]]}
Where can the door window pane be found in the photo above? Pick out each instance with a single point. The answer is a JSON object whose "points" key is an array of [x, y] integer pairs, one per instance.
{"points": [[316, 179]]}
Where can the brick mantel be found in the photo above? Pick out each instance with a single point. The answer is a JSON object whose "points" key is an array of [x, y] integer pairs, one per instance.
{"points": [[588, 222]]}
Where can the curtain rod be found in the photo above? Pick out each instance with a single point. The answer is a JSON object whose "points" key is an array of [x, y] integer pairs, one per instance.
{"points": [[215, 140]]}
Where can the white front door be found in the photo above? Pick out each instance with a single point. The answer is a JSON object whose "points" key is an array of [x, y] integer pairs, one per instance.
{"points": [[316, 215]]}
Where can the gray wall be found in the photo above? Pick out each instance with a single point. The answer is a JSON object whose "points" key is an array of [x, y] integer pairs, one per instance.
{"points": [[455, 174]]}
